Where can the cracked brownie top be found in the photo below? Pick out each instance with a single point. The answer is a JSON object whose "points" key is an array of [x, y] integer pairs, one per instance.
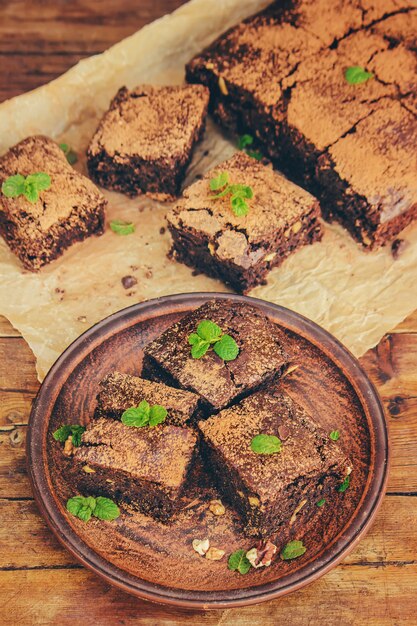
{"points": [[261, 353], [277, 204]]}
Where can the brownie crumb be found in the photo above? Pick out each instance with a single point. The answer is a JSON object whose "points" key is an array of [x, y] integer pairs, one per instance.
{"points": [[129, 281], [162, 230], [397, 247]]}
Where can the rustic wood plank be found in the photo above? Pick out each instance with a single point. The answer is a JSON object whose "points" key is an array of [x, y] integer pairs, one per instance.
{"points": [[6, 329], [17, 371], [15, 408], [27, 542], [41, 39], [349, 595], [409, 325], [14, 481]]}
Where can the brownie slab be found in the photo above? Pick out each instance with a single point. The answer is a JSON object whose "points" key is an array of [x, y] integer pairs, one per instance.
{"points": [[119, 392], [241, 251], [270, 490], [144, 142], [261, 357], [71, 209], [279, 75], [146, 467]]}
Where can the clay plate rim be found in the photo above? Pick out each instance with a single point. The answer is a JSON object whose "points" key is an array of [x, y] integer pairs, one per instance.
{"points": [[344, 543]]}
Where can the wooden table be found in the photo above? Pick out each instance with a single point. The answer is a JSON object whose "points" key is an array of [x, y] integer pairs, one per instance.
{"points": [[39, 582]]}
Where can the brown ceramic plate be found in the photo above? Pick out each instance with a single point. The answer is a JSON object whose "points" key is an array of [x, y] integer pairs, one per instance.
{"points": [[155, 561]]}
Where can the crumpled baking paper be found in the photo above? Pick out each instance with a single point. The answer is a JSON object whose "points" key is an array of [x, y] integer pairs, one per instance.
{"points": [[357, 296]]}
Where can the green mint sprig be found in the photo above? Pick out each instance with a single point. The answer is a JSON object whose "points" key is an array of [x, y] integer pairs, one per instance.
{"points": [[122, 228], [28, 186], [238, 562], [73, 430], [238, 193], [292, 550], [321, 502], [210, 334], [334, 435], [100, 507], [144, 415], [72, 156], [247, 140], [356, 75], [266, 444], [345, 485]]}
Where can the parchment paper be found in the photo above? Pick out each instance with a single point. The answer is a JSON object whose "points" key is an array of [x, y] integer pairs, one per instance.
{"points": [[357, 296]]}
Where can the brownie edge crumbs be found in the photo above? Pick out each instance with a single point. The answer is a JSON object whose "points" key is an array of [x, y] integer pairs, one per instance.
{"points": [[270, 490], [146, 467], [145, 141], [71, 210], [262, 356], [119, 392], [241, 250]]}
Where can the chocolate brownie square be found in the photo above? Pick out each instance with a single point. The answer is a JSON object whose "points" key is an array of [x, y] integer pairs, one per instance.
{"points": [[145, 467], [242, 249], [280, 76], [144, 142], [70, 210], [119, 392], [219, 383], [269, 490]]}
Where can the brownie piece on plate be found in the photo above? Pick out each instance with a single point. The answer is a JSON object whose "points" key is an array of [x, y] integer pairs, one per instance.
{"points": [[119, 392], [294, 466], [241, 249], [39, 226], [144, 142], [261, 356], [146, 467]]}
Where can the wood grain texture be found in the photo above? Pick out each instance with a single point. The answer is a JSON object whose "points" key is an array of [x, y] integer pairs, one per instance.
{"points": [[41, 39]]}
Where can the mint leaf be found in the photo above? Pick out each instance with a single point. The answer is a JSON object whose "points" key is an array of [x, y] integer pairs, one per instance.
{"points": [[265, 444], [239, 206], [199, 349], [226, 348], [193, 339], [100, 507], [137, 416], [62, 434], [355, 75], [81, 507], [72, 156], [122, 228], [13, 186], [106, 509], [239, 562], [345, 485], [334, 435], [241, 191], [219, 181], [292, 550], [321, 502], [157, 415], [39, 180], [29, 187], [209, 331], [243, 141]]}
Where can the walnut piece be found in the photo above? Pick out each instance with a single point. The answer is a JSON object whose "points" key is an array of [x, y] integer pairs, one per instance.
{"points": [[217, 507], [215, 554], [201, 546], [261, 555], [69, 447]]}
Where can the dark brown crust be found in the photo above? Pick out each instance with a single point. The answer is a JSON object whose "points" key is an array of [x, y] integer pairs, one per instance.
{"points": [[119, 392], [268, 490], [159, 177], [73, 207], [262, 356], [140, 481]]}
